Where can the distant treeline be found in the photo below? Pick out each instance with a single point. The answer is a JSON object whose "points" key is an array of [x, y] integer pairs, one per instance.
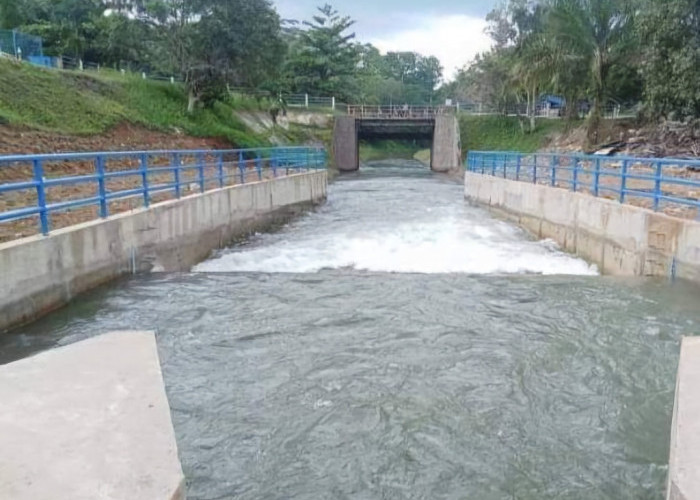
{"points": [[592, 51]]}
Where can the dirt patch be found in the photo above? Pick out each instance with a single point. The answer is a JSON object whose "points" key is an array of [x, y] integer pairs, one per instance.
{"points": [[124, 137], [664, 140]]}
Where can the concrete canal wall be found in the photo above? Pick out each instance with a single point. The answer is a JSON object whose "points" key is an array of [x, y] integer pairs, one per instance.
{"points": [[42, 273], [620, 239], [684, 460]]}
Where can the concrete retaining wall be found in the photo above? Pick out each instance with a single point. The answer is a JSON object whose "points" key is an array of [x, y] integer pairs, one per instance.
{"points": [[684, 460], [620, 239], [42, 273]]}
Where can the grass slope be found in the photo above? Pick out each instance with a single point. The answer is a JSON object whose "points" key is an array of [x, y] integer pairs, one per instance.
{"points": [[500, 133], [86, 104]]}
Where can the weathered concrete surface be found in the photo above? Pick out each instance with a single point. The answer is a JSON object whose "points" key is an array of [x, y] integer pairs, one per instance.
{"points": [[346, 152], [446, 152], [443, 131], [41, 273], [684, 461], [89, 421], [621, 239]]}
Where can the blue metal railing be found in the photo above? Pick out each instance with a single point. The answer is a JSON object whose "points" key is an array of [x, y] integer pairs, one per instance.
{"points": [[658, 183], [40, 183]]}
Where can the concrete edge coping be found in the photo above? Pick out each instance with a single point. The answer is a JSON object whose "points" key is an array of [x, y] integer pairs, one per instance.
{"points": [[89, 420], [64, 230], [684, 456]]}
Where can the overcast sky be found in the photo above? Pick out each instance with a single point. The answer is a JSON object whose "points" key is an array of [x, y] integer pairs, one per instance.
{"points": [[452, 30]]}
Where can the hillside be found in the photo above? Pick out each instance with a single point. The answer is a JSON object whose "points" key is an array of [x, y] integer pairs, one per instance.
{"points": [[68, 110]]}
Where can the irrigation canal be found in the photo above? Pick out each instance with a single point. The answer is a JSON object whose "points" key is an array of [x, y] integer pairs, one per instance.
{"points": [[398, 343]]}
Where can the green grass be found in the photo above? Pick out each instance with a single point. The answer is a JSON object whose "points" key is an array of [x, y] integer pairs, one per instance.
{"points": [[500, 133], [385, 150], [85, 104]]}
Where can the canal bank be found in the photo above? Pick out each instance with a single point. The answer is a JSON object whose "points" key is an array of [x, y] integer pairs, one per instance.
{"points": [[398, 342], [620, 239], [42, 273]]}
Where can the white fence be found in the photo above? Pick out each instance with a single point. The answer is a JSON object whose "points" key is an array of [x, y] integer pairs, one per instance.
{"points": [[611, 111]]}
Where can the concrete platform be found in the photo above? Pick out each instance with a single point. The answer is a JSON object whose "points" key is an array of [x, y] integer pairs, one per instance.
{"points": [[89, 421], [684, 461]]}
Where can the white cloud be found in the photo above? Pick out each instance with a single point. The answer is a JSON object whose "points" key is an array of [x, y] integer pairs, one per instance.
{"points": [[454, 39]]}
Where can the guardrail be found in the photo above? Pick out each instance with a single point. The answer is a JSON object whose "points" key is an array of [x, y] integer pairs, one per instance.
{"points": [[402, 112], [37, 186], [664, 184]]}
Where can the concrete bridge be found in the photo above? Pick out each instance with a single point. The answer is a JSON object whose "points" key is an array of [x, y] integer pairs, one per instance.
{"points": [[435, 123]]}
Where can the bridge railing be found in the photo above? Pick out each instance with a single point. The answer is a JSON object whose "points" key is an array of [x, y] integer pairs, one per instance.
{"points": [[398, 112], [662, 184], [33, 188]]}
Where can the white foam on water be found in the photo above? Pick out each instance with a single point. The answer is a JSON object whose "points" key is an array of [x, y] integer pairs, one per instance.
{"points": [[370, 231]]}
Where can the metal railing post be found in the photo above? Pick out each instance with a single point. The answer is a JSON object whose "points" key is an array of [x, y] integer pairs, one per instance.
{"points": [[273, 163], [144, 180], [41, 196], [101, 190], [657, 186], [176, 173], [258, 166], [623, 181], [241, 167], [553, 166], [534, 170], [200, 171], [220, 168], [518, 159], [574, 182], [596, 177]]}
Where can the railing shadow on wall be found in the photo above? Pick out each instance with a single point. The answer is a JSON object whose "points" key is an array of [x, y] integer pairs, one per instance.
{"points": [[662, 184], [34, 188]]}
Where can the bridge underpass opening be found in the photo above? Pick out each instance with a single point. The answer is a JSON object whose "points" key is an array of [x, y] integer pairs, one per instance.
{"points": [[433, 125], [396, 149]]}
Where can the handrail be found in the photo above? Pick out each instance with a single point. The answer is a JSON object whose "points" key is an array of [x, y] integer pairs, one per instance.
{"points": [[657, 183], [395, 112], [102, 178]]}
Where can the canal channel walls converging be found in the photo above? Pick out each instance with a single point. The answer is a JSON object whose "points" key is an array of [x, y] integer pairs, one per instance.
{"points": [[42, 273]]}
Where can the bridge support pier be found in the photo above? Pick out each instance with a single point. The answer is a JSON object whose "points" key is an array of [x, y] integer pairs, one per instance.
{"points": [[446, 153], [346, 147]]}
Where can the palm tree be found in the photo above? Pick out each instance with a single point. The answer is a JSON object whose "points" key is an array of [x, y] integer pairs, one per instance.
{"points": [[598, 33]]}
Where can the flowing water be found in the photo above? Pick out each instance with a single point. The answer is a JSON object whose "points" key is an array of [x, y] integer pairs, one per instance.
{"points": [[398, 343]]}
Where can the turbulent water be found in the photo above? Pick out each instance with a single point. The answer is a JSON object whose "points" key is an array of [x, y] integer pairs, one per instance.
{"points": [[398, 343]]}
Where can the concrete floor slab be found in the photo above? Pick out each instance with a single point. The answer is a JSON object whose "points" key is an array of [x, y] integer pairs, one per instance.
{"points": [[89, 421]]}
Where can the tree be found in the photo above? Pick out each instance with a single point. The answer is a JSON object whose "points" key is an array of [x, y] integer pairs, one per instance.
{"points": [[325, 59], [246, 53], [670, 65], [599, 33], [10, 14]]}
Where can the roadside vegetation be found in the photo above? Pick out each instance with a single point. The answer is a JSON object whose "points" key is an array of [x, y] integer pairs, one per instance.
{"points": [[503, 133], [595, 53]]}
